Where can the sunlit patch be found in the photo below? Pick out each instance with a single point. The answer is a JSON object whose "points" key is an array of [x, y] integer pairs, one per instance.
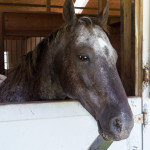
{"points": [[80, 3]]}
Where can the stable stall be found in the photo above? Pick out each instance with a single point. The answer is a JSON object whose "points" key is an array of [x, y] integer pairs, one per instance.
{"points": [[66, 125]]}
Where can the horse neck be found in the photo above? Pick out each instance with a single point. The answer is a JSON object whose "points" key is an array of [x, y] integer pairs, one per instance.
{"points": [[42, 85], [50, 87]]}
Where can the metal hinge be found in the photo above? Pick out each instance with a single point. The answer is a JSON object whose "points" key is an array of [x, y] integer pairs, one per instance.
{"points": [[145, 115], [146, 76], [142, 118]]}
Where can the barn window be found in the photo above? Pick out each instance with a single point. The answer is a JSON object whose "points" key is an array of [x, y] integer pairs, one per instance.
{"points": [[16, 47], [80, 3], [5, 60]]}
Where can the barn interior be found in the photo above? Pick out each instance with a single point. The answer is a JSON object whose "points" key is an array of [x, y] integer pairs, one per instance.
{"points": [[25, 23]]}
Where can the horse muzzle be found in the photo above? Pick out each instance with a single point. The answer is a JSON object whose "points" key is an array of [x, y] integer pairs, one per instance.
{"points": [[117, 128]]}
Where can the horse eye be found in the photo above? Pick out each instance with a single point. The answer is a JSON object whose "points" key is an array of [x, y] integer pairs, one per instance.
{"points": [[84, 58]]}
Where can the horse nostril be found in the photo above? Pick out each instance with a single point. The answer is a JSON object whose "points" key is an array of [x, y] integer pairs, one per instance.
{"points": [[116, 125]]}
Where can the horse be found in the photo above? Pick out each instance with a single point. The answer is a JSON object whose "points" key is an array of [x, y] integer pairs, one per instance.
{"points": [[79, 62]]}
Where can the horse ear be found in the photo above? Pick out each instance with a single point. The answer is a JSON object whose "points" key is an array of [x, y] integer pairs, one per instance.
{"points": [[103, 16], [69, 12]]}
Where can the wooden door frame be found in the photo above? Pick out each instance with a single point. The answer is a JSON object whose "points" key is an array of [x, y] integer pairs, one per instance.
{"points": [[138, 46], [131, 46]]}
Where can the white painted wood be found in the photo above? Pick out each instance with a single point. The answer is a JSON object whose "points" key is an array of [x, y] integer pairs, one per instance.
{"points": [[146, 129], [46, 126], [146, 32], [55, 126], [46, 110], [146, 61]]}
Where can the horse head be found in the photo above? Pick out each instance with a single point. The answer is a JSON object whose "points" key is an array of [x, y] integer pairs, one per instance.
{"points": [[86, 68]]}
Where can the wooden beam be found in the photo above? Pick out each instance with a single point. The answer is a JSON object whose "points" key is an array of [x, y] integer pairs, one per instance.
{"points": [[31, 24], [138, 46], [100, 7], [102, 4], [40, 5], [1, 46], [21, 4], [131, 41], [48, 3]]}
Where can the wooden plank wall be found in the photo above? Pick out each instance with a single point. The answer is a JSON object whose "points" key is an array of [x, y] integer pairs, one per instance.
{"points": [[131, 42], [16, 49], [7, 8], [21, 32], [30, 24]]}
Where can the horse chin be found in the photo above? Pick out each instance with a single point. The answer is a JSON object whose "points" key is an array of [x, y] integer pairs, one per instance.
{"points": [[103, 134]]}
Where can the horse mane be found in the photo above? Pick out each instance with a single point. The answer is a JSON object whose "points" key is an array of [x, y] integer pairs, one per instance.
{"points": [[25, 69], [28, 64]]}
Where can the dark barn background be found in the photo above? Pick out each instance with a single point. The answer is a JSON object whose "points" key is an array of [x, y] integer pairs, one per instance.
{"points": [[25, 23]]}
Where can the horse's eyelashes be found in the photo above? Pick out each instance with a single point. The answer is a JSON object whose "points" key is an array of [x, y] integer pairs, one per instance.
{"points": [[84, 58]]}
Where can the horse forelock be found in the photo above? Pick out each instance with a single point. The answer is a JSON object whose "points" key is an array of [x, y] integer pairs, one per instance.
{"points": [[91, 21]]}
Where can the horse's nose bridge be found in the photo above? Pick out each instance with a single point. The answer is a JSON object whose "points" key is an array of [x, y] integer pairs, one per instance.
{"points": [[112, 84], [112, 110]]}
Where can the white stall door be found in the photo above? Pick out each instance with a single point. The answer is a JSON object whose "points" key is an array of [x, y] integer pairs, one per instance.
{"points": [[46, 126], [57, 126]]}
